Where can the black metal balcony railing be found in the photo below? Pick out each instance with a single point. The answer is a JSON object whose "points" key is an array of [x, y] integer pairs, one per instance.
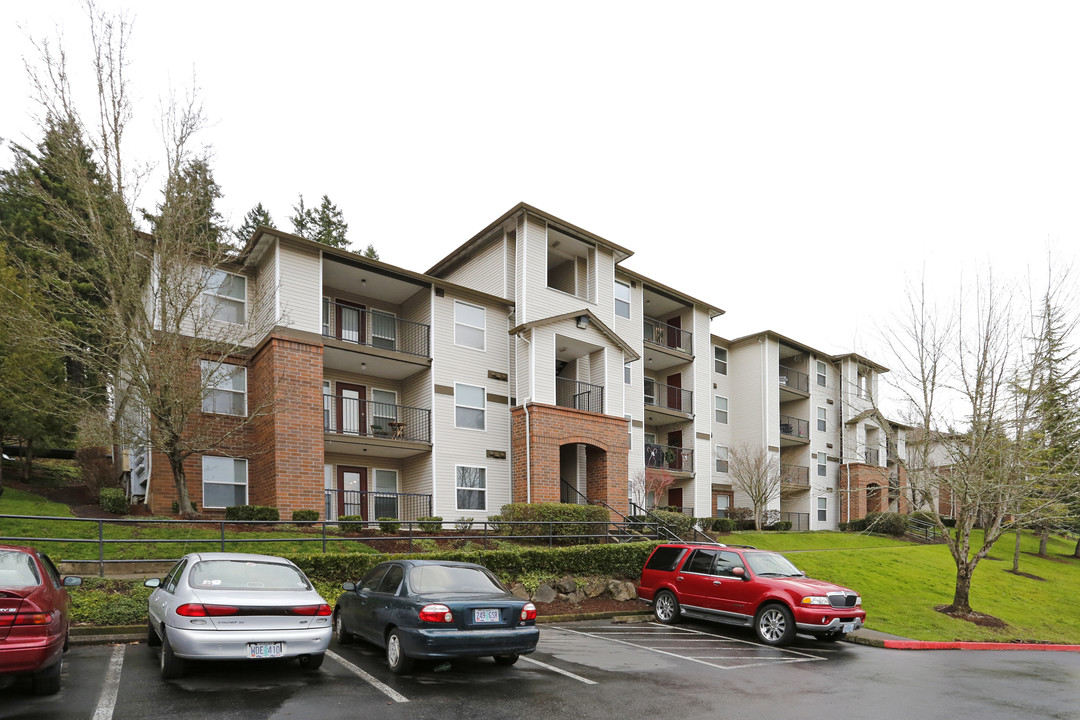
{"points": [[375, 329], [872, 456], [794, 427], [372, 505], [668, 396], [660, 333], [368, 418], [794, 379], [795, 475], [799, 521], [669, 457], [579, 395]]}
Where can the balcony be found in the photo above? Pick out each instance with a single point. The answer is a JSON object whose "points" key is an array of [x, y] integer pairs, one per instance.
{"points": [[672, 402], [872, 456], [794, 385], [366, 425], [668, 336], [371, 505], [668, 457], [795, 476], [794, 431], [388, 346], [579, 395]]}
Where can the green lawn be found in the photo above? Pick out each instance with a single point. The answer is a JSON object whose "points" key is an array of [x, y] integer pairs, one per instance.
{"points": [[792, 541]]}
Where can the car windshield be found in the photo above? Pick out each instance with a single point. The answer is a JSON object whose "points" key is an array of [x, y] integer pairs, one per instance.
{"points": [[451, 579], [246, 575], [771, 565], [17, 569]]}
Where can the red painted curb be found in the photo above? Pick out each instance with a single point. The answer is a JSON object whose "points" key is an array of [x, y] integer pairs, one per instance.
{"points": [[920, 645]]}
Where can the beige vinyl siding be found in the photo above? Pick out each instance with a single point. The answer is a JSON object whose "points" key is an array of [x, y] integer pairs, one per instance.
{"points": [[483, 270], [299, 293], [417, 308], [629, 329], [697, 320], [511, 267], [747, 403], [540, 301], [417, 476]]}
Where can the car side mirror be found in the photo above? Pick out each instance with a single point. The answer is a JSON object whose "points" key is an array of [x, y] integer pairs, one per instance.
{"points": [[348, 587], [739, 573], [153, 583]]}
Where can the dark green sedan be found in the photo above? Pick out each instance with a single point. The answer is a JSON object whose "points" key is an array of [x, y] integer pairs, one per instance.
{"points": [[428, 609]]}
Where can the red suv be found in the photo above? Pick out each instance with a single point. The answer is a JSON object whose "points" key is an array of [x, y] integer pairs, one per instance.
{"points": [[748, 587], [33, 617]]}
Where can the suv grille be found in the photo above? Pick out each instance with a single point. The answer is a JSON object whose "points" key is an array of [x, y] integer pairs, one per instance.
{"points": [[842, 599]]}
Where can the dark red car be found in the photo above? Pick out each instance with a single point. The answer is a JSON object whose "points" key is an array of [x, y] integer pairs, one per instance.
{"points": [[33, 617], [747, 587]]}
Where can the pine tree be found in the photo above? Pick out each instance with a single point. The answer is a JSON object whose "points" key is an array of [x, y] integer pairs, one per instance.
{"points": [[331, 225], [193, 193], [371, 252], [255, 217], [303, 221]]}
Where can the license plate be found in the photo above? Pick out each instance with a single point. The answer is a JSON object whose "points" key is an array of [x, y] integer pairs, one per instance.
{"points": [[265, 650], [486, 616], [848, 627]]}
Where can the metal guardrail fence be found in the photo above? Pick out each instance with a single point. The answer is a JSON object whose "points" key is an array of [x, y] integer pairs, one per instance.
{"points": [[793, 426], [669, 457], [789, 377], [376, 329], [662, 333], [370, 418], [579, 395], [669, 396]]}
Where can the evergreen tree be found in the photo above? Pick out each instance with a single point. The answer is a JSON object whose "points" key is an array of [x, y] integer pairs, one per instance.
{"points": [[325, 224], [192, 192], [371, 252], [255, 217], [303, 221]]}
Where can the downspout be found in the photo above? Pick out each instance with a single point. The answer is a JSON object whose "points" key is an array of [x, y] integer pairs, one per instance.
{"points": [[528, 422]]}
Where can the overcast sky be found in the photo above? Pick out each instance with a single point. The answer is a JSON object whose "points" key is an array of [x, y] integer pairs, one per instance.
{"points": [[793, 163]]}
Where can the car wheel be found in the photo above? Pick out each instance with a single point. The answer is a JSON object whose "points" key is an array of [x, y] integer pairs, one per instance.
{"points": [[171, 666], [666, 608], [152, 638], [344, 637], [395, 654], [312, 662], [47, 682], [774, 625], [506, 659]]}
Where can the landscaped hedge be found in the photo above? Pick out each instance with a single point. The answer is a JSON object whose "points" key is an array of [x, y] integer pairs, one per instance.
{"points": [[305, 515], [723, 525], [107, 601], [252, 512], [430, 523], [883, 523], [576, 520], [625, 560], [389, 525], [113, 500], [678, 522]]}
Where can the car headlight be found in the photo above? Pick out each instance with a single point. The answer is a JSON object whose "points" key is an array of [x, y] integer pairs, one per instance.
{"points": [[815, 600], [858, 601]]}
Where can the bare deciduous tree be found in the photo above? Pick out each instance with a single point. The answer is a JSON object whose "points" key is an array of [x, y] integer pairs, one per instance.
{"points": [[756, 473]]}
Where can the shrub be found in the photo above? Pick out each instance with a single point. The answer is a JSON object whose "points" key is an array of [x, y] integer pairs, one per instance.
{"points": [[113, 500], [724, 525], [843, 526], [781, 526], [176, 507], [95, 468], [252, 512], [305, 515], [389, 525], [107, 601], [679, 523], [431, 523], [464, 524], [885, 523], [352, 523], [575, 520]]}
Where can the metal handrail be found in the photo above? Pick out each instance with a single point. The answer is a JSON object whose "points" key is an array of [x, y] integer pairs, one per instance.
{"points": [[669, 396], [371, 418], [795, 379], [657, 456], [663, 334], [579, 395], [794, 426], [795, 475], [626, 523], [407, 336]]}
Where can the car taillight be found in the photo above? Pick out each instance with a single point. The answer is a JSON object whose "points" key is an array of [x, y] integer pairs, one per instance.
{"points": [[33, 619], [200, 610], [436, 613], [323, 609], [528, 612]]}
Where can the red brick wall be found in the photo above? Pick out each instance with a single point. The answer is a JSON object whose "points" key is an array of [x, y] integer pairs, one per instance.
{"points": [[855, 498], [551, 427]]}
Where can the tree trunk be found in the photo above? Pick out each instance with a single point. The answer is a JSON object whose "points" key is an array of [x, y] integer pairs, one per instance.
{"points": [[1016, 552], [28, 460], [180, 480], [1076, 552], [1042, 543], [961, 595]]}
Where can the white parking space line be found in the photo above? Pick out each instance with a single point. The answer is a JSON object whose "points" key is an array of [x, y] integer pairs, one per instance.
{"points": [[754, 644], [111, 685], [380, 686], [587, 681]]}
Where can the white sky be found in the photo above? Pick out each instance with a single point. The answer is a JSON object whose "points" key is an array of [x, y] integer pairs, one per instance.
{"points": [[793, 163]]}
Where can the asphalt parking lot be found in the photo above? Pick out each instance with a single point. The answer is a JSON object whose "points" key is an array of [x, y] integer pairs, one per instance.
{"points": [[585, 669]]}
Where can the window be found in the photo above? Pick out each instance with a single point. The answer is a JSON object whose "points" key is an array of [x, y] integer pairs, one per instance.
{"points": [[721, 409], [723, 502], [226, 388], [821, 373], [700, 562], [822, 415], [326, 317], [384, 330], [726, 562], [469, 323], [391, 580], [629, 431], [719, 360], [225, 296], [622, 299], [386, 482], [471, 485], [383, 409], [721, 459], [626, 373], [822, 509], [224, 482], [822, 464], [469, 407]]}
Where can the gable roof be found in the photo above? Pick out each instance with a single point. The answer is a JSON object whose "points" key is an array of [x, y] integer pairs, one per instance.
{"points": [[593, 320]]}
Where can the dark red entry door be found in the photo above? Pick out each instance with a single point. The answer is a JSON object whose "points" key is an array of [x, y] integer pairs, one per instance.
{"points": [[352, 491]]}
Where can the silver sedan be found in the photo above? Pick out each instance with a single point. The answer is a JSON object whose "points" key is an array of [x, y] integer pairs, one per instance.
{"points": [[236, 606]]}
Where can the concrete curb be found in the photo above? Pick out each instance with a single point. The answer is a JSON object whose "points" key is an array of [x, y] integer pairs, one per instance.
{"points": [[921, 645]]}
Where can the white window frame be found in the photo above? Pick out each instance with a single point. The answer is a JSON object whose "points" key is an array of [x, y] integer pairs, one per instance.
{"points": [[822, 464], [720, 365], [233, 461], [482, 408], [482, 490], [216, 298], [822, 509], [717, 410], [372, 313], [327, 315], [373, 403], [822, 378], [626, 373], [619, 284], [822, 419], [482, 328], [227, 371], [723, 455]]}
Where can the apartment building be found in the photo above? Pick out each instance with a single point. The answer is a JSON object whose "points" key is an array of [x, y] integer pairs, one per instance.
{"points": [[528, 365]]}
